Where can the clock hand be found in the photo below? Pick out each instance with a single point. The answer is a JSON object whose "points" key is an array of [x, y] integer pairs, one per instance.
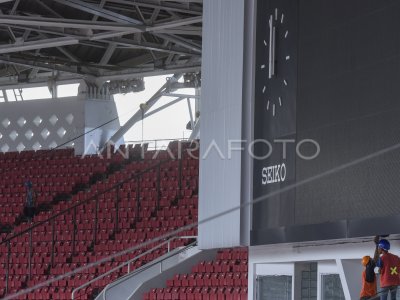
{"points": [[272, 46], [271, 49]]}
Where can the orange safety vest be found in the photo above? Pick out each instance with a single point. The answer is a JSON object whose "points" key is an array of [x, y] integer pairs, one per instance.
{"points": [[390, 271], [368, 288]]}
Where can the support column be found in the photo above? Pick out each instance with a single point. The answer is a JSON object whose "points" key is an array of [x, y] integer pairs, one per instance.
{"points": [[350, 271]]}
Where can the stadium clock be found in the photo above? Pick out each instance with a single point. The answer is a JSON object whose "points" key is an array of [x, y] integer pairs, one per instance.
{"points": [[276, 55]]}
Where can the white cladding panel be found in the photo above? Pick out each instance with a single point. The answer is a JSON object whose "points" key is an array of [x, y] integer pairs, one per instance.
{"points": [[50, 123], [98, 112], [221, 121]]}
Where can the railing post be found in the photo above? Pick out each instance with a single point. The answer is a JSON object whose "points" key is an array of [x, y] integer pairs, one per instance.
{"points": [[129, 198], [158, 186], [30, 254], [96, 221], [137, 198], [74, 232], [180, 178], [8, 264], [53, 241], [179, 149], [116, 226]]}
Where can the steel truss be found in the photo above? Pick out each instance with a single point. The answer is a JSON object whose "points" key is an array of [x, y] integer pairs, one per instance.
{"points": [[97, 40]]}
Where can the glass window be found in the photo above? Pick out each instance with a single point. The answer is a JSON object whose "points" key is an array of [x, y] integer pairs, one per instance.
{"points": [[274, 287], [332, 287]]}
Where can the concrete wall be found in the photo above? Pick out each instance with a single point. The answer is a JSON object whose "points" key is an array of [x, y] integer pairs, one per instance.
{"points": [[248, 116], [221, 122]]}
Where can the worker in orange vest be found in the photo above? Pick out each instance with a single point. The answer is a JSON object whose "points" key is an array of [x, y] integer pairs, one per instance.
{"points": [[368, 289]]}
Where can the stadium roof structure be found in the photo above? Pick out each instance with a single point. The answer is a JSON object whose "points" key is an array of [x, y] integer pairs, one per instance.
{"points": [[97, 40]]}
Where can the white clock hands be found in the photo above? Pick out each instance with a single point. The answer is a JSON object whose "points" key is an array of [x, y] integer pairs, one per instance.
{"points": [[275, 80], [272, 43]]}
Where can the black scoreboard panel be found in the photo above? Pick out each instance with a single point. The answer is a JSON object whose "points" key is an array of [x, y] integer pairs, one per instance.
{"points": [[275, 116], [347, 99]]}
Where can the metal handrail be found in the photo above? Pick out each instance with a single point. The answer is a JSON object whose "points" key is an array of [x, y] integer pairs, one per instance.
{"points": [[134, 176], [155, 142], [146, 267], [51, 220], [129, 262]]}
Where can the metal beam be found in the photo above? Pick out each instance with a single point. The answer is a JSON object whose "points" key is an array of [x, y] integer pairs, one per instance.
{"points": [[12, 12], [101, 5], [195, 131], [166, 7], [154, 16], [42, 66], [182, 31], [84, 40], [185, 1], [108, 54], [68, 54], [175, 23], [14, 8], [169, 59], [141, 60], [110, 34], [33, 73], [139, 12], [61, 49], [122, 29], [138, 115], [45, 6], [12, 82], [98, 11], [182, 95], [61, 61], [40, 44], [161, 27], [143, 72], [26, 34], [69, 23], [163, 107], [190, 113], [149, 46], [55, 31], [70, 77], [179, 41]]}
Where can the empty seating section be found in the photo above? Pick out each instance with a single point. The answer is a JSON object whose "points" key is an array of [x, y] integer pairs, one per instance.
{"points": [[222, 279], [51, 173], [127, 210]]}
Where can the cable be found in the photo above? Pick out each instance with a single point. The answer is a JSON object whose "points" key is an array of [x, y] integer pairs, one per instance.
{"points": [[212, 218], [48, 151]]}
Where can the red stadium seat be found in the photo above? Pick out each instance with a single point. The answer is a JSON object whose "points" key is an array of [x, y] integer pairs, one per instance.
{"points": [[59, 174]]}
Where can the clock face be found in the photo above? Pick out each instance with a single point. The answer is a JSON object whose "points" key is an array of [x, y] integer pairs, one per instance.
{"points": [[278, 56], [276, 67]]}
